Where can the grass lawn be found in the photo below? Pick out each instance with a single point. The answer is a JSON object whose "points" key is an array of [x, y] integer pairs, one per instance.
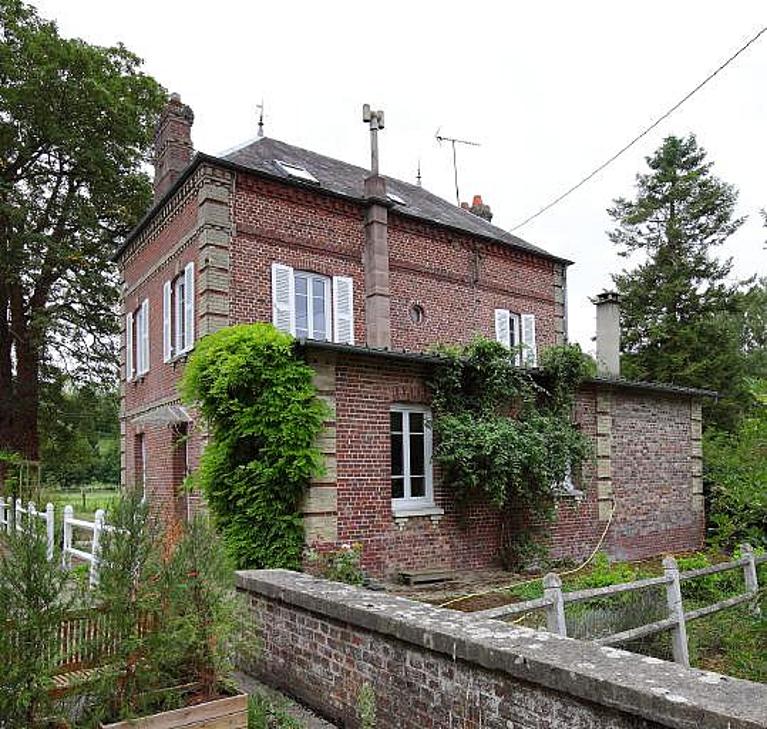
{"points": [[84, 502]]}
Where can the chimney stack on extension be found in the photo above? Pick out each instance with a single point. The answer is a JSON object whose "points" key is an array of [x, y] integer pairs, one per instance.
{"points": [[608, 333], [173, 148]]}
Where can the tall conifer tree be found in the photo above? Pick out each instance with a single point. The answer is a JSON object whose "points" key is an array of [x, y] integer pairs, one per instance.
{"points": [[678, 302]]}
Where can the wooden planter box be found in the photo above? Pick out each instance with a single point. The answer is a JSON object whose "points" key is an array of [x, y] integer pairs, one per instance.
{"points": [[231, 712]]}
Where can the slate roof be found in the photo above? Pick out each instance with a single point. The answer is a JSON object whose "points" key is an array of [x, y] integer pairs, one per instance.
{"points": [[346, 179]]}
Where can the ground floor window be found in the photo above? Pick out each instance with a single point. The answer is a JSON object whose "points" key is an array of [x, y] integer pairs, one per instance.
{"points": [[411, 477]]}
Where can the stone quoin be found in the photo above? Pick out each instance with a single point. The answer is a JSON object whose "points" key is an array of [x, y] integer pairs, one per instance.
{"points": [[369, 272]]}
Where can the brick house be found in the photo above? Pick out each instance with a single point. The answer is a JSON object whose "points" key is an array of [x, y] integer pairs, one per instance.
{"points": [[368, 272]]}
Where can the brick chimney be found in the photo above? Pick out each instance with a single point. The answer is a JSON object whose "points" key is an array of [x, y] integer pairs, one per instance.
{"points": [[376, 252], [173, 148], [608, 333], [480, 209]]}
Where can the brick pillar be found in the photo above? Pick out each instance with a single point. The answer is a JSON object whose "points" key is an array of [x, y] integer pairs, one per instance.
{"points": [[376, 260], [173, 148]]}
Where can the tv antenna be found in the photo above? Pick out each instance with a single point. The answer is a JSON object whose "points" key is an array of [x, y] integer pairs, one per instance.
{"points": [[453, 141]]}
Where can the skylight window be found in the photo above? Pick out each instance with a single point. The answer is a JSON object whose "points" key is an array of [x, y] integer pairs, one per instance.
{"points": [[395, 198], [300, 173]]}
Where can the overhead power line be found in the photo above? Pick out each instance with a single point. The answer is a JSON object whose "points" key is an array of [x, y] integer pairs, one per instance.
{"points": [[644, 133]]}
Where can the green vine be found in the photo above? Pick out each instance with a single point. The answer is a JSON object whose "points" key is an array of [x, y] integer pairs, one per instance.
{"points": [[260, 406], [507, 433]]}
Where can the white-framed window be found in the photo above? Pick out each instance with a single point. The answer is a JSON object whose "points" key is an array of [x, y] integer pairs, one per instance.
{"points": [[178, 314], [137, 341], [517, 332], [312, 306], [411, 465], [312, 303]]}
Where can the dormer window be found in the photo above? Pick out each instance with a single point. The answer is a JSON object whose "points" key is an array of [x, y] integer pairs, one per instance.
{"points": [[395, 198], [296, 171]]}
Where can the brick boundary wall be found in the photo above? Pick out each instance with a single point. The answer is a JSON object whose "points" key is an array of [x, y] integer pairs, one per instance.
{"points": [[430, 667]]}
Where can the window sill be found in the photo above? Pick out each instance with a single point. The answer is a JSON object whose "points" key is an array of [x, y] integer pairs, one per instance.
{"points": [[402, 513], [573, 493]]}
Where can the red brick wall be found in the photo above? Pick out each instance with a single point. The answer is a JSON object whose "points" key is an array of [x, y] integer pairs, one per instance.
{"points": [[652, 477], [458, 287], [365, 391], [652, 481]]}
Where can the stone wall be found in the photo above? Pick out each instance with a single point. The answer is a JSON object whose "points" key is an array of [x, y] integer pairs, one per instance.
{"points": [[329, 644]]}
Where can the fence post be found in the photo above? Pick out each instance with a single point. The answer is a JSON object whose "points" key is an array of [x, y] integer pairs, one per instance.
{"points": [[98, 527], [3, 517], [676, 611], [66, 558], [17, 515], [749, 576], [555, 612], [50, 528]]}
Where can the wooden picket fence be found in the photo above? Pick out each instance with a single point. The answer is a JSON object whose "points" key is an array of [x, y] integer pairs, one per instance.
{"points": [[86, 640], [554, 600]]}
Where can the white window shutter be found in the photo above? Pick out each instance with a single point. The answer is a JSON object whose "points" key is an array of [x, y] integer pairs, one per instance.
{"points": [[502, 332], [188, 306], [343, 310], [129, 347], [283, 298], [145, 336], [529, 351], [167, 321]]}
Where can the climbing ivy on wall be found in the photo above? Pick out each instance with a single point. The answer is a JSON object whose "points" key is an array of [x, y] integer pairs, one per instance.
{"points": [[507, 433], [260, 406]]}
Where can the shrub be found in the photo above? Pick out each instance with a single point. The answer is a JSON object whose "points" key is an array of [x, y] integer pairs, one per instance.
{"points": [[260, 404], [35, 594], [339, 565], [736, 472]]}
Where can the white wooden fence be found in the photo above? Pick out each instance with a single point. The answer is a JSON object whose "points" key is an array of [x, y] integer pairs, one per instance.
{"points": [[15, 515], [554, 600]]}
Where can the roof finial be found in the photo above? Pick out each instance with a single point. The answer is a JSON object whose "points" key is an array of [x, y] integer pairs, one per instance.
{"points": [[418, 176], [376, 121], [260, 107]]}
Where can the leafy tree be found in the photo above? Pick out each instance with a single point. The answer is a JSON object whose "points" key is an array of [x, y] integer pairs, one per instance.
{"points": [[677, 303], [736, 471], [79, 434], [76, 123]]}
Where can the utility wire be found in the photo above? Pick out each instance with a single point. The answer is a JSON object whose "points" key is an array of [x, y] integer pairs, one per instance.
{"points": [[643, 133]]}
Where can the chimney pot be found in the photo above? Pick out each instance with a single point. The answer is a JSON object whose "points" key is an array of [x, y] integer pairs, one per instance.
{"points": [[608, 333], [464, 206], [480, 209]]}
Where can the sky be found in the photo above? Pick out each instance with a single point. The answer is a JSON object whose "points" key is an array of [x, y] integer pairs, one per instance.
{"points": [[548, 89]]}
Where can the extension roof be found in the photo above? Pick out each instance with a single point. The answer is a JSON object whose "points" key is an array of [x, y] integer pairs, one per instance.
{"points": [[346, 180], [431, 359]]}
